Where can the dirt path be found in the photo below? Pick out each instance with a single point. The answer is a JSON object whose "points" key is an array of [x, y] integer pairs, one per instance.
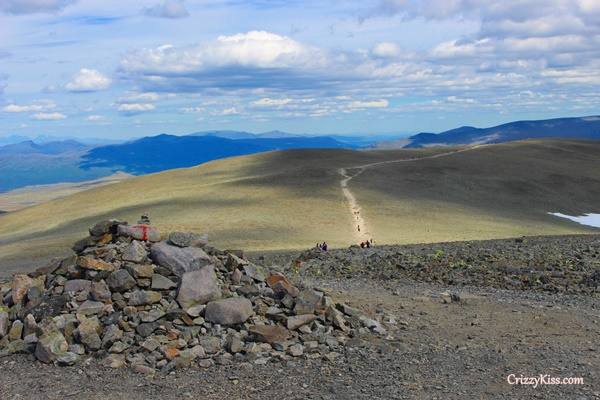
{"points": [[360, 226]]}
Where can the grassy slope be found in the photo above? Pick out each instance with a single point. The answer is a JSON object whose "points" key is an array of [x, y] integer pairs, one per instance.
{"points": [[292, 199]]}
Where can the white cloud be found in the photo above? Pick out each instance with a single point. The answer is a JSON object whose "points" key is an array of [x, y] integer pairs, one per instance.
{"points": [[88, 80], [95, 118], [140, 97], [267, 102], [34, 107], [257, 49], [228, 111], [193, 110], [369, 104], [136, 107], [169, 9], [386, 50], [33, 6], [55, 116]]}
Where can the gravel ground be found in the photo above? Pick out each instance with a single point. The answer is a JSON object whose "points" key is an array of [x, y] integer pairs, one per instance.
{"points": [[449, 341]]}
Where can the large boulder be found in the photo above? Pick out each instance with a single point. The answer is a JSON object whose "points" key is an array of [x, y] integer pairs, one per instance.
{"points": [[179, 259], [198, 287], [231, 311]]}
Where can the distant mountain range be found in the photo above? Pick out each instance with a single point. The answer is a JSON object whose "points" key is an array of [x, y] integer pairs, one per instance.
{"points": [[571, 128], [29, 163], [43, 161], [158, 153]]}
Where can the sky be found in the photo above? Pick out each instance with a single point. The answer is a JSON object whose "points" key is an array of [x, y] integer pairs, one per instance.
{"points": [[121, 69]]}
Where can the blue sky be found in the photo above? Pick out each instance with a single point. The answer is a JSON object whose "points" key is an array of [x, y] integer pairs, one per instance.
{"points": [[115, 69]]}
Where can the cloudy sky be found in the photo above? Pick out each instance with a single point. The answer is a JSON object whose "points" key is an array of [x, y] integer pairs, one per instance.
{"points": [[108, 68]]}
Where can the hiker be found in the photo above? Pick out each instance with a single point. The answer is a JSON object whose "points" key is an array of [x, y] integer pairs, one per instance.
{"points": [[368, 244], [358, 227], [324, 246], [362, 245]]}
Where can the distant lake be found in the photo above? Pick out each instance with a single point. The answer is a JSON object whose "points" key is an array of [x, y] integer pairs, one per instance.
{"points": [[585, 219]]}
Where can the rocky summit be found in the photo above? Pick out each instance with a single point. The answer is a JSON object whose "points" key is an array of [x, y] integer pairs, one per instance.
{"points": [[133, 297]]}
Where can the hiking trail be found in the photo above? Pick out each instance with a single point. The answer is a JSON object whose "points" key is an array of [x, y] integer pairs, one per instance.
{"points": [[360, 226]]}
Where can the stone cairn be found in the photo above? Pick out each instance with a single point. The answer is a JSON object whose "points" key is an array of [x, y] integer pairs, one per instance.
{"points": [[129, 298]]}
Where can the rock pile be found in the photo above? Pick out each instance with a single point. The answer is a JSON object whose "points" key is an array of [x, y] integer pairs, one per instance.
{"points": [[129, 298]]}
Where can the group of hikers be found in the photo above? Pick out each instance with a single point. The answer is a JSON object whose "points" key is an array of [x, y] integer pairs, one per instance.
{"points": [[366, 244], [322, 246]]}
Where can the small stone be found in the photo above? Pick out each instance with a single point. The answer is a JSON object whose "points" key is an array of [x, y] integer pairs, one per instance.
{"points": [[236, 276], [135, 252], [144, 297], [110, 335], [118, 347], [234, 344], [269, 333], [93, 264], [88, 333], [140, 271], [195, 311], [50, 346], [4, 322], [210, 344], [144, 369], [90, 307], [188, 239], [296, 350], [100, 291], [281, 285], [115, 361], [20, 284], [16, 330], [255, 272], [150, 344], [77, 349], [295, 322], [67, 359], [77, 285], [160, 282], [307, 302], [120, 281], [152, 315]]}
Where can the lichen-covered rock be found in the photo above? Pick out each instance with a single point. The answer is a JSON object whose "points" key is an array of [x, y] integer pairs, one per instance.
{"points": [[51, 346]]}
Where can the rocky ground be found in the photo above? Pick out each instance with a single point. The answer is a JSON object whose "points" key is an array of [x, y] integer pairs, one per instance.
{"points": [[455, 330]]}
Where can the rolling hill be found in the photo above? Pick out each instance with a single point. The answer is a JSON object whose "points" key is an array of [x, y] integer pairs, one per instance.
{"points": [[293, 199], [571, 128]]}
